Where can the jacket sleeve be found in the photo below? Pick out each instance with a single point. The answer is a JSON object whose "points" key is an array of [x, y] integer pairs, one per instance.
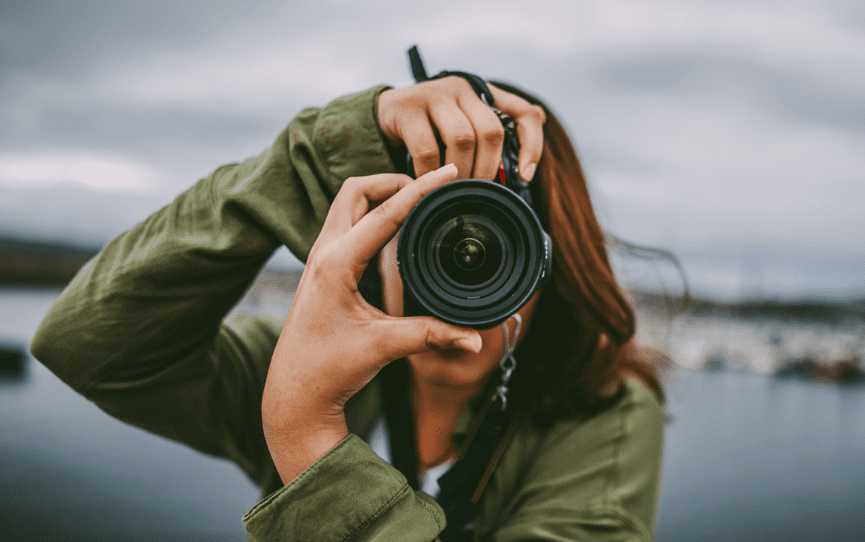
{"points": [[350, 493], [591, 481], [140, 329]]}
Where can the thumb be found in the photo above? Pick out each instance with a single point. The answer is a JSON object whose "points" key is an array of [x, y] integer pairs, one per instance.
{"points": [[421, 333]]}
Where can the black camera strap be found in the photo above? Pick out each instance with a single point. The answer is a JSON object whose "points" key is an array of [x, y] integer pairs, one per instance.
{"points": [[463, 484], [399, 416]]}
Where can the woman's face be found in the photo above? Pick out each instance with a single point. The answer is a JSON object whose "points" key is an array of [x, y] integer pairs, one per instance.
{"points": [[450, 368]]}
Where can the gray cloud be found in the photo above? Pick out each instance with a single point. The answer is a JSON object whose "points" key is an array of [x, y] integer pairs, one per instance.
{"points": [[730, 132], [69, 213]]}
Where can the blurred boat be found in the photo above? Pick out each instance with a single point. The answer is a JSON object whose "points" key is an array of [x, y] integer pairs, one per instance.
{"points": [[715, 362], [843, 371], [12, 360]]}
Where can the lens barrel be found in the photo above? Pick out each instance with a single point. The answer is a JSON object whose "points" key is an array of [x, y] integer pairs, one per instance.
{"points": [[471, 253]]}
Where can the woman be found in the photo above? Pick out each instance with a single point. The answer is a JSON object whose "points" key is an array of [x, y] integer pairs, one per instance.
{"points": [[139, 331]]}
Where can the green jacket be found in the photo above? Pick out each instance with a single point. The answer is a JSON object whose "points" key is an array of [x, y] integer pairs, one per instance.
{"points": [[141, 332]]}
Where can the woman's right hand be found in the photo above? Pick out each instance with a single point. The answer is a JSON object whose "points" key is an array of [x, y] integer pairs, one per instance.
{"points": [[333, 341], [471, 131]]}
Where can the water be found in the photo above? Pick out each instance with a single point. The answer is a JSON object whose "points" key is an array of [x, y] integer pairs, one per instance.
{"points": [[68, 471], [752, 458], [746, 457]]}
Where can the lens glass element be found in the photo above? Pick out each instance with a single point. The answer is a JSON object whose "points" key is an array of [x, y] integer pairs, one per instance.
{"points": [[469, 252]]}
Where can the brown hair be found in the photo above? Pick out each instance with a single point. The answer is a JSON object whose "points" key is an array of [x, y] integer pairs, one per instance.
{"points": [[580, 342]]}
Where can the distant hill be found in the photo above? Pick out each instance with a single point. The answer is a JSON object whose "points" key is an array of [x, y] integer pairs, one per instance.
{"points": [[35, 263], [55, 264], [810, 310]]}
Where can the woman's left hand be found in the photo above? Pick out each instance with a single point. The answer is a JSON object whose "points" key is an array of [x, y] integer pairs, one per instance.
{"points": [[333, 342], [471, 131]]}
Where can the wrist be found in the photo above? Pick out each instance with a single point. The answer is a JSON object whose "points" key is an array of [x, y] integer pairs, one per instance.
{"points": [[297, 440], [299, 426]]}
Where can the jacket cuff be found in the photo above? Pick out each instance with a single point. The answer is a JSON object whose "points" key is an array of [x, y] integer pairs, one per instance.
{"points": [[348, 493], [351, 140]]}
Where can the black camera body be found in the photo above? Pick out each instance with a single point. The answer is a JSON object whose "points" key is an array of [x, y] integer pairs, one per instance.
{"points": [[472, 252]]}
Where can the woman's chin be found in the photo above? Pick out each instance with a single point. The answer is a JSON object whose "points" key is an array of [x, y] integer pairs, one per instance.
{"points": [[451, 367]]}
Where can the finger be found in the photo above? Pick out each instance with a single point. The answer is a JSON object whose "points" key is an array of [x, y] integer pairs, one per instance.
{"points": [[373, 231], [530, 133], [530, 128], [458, 135], [406, 336], [489, 137], [420, 141], [353, 201]]}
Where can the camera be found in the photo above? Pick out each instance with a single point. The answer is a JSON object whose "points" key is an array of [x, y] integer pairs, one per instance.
{"points": [[472, 252]]}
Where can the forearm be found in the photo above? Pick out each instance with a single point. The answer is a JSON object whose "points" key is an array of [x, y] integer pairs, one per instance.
{"points": [[160, 290]]}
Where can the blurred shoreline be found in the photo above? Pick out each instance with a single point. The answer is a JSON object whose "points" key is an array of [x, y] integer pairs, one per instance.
{"points": [[46, 263], [813, 339]]}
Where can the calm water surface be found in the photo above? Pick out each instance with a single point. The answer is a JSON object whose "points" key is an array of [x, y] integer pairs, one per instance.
{"points": [[746, 458]]}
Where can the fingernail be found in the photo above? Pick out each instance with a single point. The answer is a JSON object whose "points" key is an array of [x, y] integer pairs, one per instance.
{"points": [[447, 166], [472, 344], [529, 173]]}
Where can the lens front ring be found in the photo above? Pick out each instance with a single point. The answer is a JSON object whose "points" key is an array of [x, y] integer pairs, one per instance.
{"points": [[472, 213]]}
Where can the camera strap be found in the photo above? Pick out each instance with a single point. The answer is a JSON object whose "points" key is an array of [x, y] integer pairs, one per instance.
{"points": [[496, 421], [462, 486]]}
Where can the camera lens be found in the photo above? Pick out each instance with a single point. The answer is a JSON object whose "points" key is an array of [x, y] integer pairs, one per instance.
{"points": [[471, 253]]}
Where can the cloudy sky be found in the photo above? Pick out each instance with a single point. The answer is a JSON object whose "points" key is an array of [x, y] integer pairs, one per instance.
{"points": [[731, 132]]}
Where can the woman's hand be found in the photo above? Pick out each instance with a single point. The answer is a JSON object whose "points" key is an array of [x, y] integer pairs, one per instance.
{"points": [[333, 341], [471, 131]]}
